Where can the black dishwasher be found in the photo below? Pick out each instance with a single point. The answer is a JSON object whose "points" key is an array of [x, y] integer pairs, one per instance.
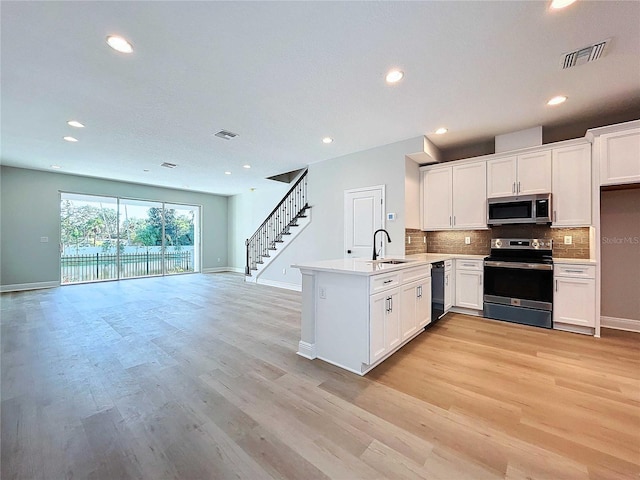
{"points": [[437, 291]]}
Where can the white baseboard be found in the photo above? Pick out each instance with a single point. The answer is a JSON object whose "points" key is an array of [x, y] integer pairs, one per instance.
{"points": [[307, 350], [627, 324], [18, 287], [274, 283], [222, 269]]}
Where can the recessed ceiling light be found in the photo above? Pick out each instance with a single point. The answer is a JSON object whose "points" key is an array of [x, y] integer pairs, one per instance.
{"points": [[246, 166], [441, 130], [394, 76], [327, 140], [227, 173], [557, 100], [56, 167], [70, 139], [119, 44], [558, 4], [75, 123]]}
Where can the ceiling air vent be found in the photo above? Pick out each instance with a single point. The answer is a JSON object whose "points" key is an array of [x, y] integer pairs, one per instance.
{"points": [[584, 55], [168, 165], [226, 134]]}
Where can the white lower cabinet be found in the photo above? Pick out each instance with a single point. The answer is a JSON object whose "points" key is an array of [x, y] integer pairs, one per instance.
{"points": [[469, 275], [399, 312], [415, 306], [574, 298], [384, 323]]}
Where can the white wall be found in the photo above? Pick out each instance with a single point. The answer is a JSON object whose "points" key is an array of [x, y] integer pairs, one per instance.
{"points": [[30, 209], [412, 194], [327, 181], [247, 211]]}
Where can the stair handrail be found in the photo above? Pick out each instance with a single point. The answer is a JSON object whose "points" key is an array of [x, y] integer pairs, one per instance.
{"points": [[260, 229]]}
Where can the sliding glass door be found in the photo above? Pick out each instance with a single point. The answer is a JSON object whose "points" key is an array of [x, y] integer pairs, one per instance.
{"points": [[181, 229], [88, 227], [140, 238], [107, 238]]}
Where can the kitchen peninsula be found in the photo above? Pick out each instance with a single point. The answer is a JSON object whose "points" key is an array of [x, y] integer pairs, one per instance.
{"points": [[358, 312]]}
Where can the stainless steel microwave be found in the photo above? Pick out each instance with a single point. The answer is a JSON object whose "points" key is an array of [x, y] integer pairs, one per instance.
{"points": [[519, 209]]}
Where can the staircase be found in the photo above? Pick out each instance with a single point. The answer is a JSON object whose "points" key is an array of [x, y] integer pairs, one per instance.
{"points": [[281, 224]]}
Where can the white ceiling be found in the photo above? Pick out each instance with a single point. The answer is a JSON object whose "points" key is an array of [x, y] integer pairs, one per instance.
{"points": [[285, 74]]}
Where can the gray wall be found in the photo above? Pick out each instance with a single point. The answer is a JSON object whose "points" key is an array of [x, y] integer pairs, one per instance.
{"points": [[30, 209], [324, 237], [620, 253]]}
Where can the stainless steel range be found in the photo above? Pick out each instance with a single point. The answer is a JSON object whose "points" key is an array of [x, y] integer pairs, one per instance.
{"points": [[518, 281]]}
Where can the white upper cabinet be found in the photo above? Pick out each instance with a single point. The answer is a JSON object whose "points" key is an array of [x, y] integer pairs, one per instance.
{"points": [[526, 174], [437, 213], [620, 157], [501, 177], [454, 197], [571, 193], [534, 173], [470, 196]]}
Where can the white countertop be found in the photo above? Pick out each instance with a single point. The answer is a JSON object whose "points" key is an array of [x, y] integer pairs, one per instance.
{"points": [[575, 261], [363, 266]]}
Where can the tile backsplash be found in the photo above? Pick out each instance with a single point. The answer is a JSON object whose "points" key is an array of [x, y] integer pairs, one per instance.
{"points": [[453, 241], [414, 241]]}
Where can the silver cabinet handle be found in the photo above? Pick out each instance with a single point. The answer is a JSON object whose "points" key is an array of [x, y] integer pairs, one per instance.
{"points": [[518, 187], [513, 187], [574, 271], [479, 280], [454, 219], [446, 278], [556, 285], [387, 281], [390, 304], [450, 224]]}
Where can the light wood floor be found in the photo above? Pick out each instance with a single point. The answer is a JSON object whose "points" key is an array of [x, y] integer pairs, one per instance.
{"points": [[196, 377]]}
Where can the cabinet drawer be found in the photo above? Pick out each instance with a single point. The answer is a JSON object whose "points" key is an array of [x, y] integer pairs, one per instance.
{"points": [[378, 283], [476, 265], [448, 264], [415, 273], [576, 271]]}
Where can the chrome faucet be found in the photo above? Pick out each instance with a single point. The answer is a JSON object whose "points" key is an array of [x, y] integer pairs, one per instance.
{"points": [[375, 255]]}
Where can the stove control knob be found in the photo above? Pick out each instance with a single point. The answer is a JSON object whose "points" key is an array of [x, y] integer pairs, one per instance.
{"points": [[498, 243], [535, 244]]}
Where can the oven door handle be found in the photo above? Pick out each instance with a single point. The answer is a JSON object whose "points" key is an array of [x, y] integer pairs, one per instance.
{"points": [[519, 265]]}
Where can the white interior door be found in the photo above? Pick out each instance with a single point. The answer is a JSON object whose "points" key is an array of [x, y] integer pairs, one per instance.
{"points": [[363, 215]]}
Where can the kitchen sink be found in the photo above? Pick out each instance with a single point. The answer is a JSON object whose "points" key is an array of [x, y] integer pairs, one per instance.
{"points": [[393, 261]]}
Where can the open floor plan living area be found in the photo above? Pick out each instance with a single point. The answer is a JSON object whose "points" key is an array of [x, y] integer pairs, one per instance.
{"points": [[320, 240]]}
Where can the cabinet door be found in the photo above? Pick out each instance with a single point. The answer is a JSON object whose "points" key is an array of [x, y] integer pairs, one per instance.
{"points": [[571, 181], [392, 321], [384, 323], [501, 177], [408, 321], [620, 157], [437, 199], [574, 301], [423, 308], [470, 196], [469, 289], [534, 173], [377, 317], [448, 290]]}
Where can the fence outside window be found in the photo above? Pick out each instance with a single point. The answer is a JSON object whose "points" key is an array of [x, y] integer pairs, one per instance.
{"points": [[104, 266]]}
